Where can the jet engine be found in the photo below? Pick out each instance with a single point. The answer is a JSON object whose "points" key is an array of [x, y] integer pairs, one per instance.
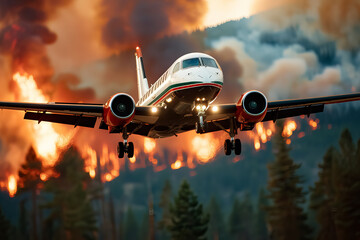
{"points": [[252, 107], [119, 110]]}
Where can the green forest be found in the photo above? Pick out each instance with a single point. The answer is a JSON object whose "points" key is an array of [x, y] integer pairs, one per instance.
{"points": [[71, 205]]}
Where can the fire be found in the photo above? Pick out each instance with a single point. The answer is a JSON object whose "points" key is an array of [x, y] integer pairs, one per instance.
{"points": [[149, 145], [12, 185], [256, 144], [261, 134], [176, 165], [205, 147], [313, 123], [47, 141], [43, 177], [289, 128]]}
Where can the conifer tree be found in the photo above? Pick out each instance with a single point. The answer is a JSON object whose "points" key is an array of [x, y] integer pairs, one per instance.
{"points": [[285, 214], [261, 232], [23, 221], [322, 197], [5, 227], [187, 218], [216, 228], [131, 229], [347, 189], [29, 181], [165, 200], [71, 206], [235, 220]]}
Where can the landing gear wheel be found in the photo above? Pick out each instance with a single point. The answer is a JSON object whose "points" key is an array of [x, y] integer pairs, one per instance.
{"points": [[227, 147], [121, 149], [237, 147], [130, 150]]}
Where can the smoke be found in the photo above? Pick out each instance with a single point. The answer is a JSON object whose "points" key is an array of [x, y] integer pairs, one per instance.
{"points": [[129, 23]]}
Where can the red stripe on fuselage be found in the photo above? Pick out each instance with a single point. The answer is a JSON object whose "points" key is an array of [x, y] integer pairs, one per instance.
{"points": [[187, 86]]}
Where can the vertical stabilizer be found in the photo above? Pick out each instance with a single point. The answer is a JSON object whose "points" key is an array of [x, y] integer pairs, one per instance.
{"points": [[142, 82]]}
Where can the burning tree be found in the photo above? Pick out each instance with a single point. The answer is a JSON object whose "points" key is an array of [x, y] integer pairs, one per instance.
{"points": [[285, 215], [71, 208], [187, 218]]}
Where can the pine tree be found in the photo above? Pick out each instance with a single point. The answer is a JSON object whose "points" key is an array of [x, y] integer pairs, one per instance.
{"points": [[322, 197], [216, 229], [29, 180], [5, 227], [261, 232], [131, 229], [23, 222], [285, 215], [347, 189], [188, 221], [165, 200], [71, 206], [235, 220]]}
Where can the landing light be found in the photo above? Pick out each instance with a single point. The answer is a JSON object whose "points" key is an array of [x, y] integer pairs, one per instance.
{"points": [[215, 108], [198, 107], [203, 107], [154, 109], [169, 99], [198, 99]]}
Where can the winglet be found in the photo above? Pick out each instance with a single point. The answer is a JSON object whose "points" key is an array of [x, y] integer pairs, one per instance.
{"points": [[143, 85]]}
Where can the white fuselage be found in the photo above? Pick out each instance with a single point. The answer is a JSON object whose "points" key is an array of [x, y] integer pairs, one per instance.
{"points": [[191, 71]]}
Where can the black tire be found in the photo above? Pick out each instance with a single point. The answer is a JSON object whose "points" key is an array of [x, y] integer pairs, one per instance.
{"points": [[121, 150], [237, 147], [227, 147], [130, 150]]}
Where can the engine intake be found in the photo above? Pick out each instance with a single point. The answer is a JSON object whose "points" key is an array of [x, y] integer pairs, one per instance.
{"points": [[119, 110], [251, 107]]}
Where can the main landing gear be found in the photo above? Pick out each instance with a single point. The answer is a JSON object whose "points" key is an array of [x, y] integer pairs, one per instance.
{"points": [[232, 143], [125, 147]]}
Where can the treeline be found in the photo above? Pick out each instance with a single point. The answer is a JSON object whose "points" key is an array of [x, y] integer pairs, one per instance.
{"points": [[71, 205]]}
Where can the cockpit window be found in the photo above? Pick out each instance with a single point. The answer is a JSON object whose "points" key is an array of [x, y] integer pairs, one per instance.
{"points": [[209, 62], [193, 62], [176, 68]]}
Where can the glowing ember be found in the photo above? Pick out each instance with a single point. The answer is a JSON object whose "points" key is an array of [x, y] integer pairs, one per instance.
{"points": [[108, 177], [43, 177], [47, 140], [149, 145], [313, 123], [289, 128], [205, 147], [288, 141], [176, 164], [301, 135], [256, 144], [89, 156], [92, 173], [12, 186]]}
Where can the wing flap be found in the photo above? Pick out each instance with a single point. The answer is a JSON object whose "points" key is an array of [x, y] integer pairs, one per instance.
{"points": [[83, 121], [279, 113]]}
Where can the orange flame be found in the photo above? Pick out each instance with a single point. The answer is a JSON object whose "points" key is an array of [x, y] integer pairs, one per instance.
{"points": [[149, 145], [205, 147], [313, 123], [47, 140], [12, 185], [289, 127], [176, 165]]}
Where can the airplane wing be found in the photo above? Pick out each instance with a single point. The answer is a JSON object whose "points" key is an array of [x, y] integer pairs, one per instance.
{"points": [[76, 114], [277, 109]]}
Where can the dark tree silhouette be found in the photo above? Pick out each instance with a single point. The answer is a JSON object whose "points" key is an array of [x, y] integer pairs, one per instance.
{"points": [[216, 229], [131, 229], [165, 200], [29, 181], [188, 221], [261, 232], [285, 214], [5, 227], [71, 208]]}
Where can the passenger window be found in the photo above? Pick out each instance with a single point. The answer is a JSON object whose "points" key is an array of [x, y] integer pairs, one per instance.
{"points": [[193, 62], [176, 68], [209, 62]]}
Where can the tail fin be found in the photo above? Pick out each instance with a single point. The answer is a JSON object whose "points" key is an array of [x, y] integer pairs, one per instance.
{"points": [[143, 85]]}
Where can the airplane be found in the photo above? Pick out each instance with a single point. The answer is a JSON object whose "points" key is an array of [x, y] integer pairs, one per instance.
{"points": [[179, 101]]}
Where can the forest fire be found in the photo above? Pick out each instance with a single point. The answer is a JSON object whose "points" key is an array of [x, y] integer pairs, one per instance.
{"points": [[47, 141], [289, 128], [12, 186]]}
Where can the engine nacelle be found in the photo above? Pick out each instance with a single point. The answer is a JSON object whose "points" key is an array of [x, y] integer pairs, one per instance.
{"points": [[119, 110], [252, 107]]}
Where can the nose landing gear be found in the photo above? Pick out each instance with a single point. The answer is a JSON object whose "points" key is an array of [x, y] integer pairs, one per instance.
{"points": [[125, 147]]}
